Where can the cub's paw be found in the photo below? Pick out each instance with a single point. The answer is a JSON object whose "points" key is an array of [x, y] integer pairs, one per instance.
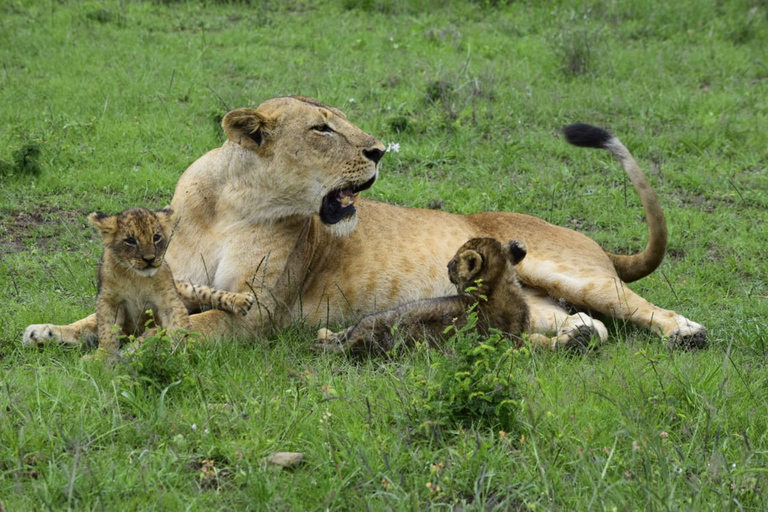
{"points": [[243, 303], [328, 341], [41, 334], [325, 335]]}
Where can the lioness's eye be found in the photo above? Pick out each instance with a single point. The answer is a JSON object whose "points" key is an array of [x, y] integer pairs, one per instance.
{"points": [[323, 128], [156, 238], [130, 241]]}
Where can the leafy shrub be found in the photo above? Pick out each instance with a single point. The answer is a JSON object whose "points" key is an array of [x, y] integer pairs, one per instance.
{"points": [[161, 359], [471, 383], [24, 161]]}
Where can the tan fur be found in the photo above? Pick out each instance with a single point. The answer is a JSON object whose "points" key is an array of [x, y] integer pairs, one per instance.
{"points": [[482, 271], [249, 220], [134, 279]]}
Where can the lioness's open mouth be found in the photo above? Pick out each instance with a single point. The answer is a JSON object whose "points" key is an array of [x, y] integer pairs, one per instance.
{"points": [[340, 203]]}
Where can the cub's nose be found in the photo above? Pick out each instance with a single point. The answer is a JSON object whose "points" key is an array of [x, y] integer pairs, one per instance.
{"points": [[373, 154], [149, 258]]}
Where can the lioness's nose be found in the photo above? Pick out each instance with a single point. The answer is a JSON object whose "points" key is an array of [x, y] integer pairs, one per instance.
{"points": [[374, 154]]}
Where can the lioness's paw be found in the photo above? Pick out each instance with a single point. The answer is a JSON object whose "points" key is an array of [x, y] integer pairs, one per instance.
{"points": [[580, 339], [691, 336], [244, 302], [40, 334]]}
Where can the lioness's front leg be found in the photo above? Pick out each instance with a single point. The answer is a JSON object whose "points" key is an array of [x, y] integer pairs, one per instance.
{"points": [[82, 332]]}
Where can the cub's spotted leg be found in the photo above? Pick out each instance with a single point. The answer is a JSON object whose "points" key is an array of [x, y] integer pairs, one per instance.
{"points": [[196, 296], [82, 332]]}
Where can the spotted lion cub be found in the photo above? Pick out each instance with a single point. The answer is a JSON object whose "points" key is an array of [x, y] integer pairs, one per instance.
{"points": [[134, 278], [484, 274]]}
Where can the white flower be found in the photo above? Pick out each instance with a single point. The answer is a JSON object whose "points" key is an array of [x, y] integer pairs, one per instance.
{"points": [[352, 100], [194, 426], [393, 147], [206, 431]]}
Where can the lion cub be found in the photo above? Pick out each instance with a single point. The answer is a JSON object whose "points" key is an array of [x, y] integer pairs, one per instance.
{"points": [[134, 279], [484, 274]]}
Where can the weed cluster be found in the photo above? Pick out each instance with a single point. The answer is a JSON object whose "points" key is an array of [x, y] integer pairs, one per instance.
{"points": [[471, 383], [160, 360], [24, 162]]}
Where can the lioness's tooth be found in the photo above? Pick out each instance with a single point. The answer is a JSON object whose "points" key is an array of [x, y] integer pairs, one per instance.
{"points": [[346, 200]]}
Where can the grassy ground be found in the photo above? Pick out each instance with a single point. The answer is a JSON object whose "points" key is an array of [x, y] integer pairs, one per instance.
{"points": [[104, 104]]}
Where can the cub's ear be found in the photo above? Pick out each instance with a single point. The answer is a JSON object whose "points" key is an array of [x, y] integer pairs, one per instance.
{"points": [[248, 127], [470, 264], [167, 218], [517, 250], [107, 224]]}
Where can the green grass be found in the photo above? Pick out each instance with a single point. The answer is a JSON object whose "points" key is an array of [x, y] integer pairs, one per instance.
{"points": [[104, 104]]}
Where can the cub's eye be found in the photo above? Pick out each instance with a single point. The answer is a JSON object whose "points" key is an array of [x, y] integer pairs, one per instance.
{"points": [[157, 238], [323, 128], [130, 241]]}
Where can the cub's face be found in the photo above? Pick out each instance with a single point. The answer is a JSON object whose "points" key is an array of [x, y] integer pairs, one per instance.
{"points": [[304, 158], [486, 260], [136, 239]]}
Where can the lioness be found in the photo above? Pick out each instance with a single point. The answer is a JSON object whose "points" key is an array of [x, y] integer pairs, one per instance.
{"points": [[276, 209], [484, 275]]}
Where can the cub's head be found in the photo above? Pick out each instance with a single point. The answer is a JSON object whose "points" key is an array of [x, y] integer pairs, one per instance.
{"points": [[137, 238], [486, 260], [295, 156]]}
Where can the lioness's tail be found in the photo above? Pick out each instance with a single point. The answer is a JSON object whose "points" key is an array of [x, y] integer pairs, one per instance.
{"points": [[630, 268]]}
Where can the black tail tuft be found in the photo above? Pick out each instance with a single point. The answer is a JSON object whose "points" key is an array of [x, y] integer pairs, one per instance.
{"points": [[587, 136]]}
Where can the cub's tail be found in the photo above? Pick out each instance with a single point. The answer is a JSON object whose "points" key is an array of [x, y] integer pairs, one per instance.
{"points": [[633, 267]]}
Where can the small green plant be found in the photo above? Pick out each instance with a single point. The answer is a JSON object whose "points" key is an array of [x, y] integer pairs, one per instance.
{"points": [[577, 50], [160, 359], [470, 383], [24, 162]]}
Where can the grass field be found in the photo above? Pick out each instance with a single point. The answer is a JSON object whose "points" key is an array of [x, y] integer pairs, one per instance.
{"points": [[105, 103]]}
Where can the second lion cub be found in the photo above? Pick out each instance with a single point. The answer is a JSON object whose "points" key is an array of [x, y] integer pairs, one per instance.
{"points": [[484, 274], [134, 279]]}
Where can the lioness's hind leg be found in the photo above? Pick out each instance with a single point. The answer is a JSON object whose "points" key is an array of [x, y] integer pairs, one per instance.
{"points": [[82, 332], [612, 297], [596, 290]]}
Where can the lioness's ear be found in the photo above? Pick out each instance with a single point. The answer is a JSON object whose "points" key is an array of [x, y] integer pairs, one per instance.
{"points": [[247, 127], [517, 250], [470, 264], [107, 224], [167, 219]]}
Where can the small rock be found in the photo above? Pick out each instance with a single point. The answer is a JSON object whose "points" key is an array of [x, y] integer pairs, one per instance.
{"points": [[288, 460]]}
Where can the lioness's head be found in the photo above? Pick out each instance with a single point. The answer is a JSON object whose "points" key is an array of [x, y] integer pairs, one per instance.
{"points": [[294, 156], [487, 261], [136, 238]]}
